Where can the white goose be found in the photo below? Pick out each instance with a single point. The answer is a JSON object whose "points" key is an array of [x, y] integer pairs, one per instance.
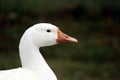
{"points": [[34, 67]]}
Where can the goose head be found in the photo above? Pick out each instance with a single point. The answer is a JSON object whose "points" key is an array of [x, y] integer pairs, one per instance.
{"points": [[45, 34]]}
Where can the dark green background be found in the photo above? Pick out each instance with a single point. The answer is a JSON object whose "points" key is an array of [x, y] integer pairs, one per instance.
{"points": [[95, 23]]}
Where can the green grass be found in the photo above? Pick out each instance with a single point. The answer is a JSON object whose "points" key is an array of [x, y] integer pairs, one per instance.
{"points": [[72, 70]]}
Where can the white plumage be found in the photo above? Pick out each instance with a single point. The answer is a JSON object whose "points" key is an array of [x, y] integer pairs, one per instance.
{"points": [[19, 74], [34, 67]]}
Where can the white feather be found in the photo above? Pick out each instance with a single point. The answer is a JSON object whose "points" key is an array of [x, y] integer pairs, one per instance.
{"points": [[34, 67]]}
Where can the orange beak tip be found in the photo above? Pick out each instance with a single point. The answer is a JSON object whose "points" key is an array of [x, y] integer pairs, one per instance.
{"points": [[74, 40]]}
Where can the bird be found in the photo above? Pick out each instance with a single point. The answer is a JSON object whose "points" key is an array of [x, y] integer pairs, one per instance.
{"points": [[33, 64]]}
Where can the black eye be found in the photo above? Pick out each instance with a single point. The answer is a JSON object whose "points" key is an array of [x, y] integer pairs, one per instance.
{"points": [[48, 30]]}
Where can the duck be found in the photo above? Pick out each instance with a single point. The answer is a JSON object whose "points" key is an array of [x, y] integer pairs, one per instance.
{"points": [[33, 64]]}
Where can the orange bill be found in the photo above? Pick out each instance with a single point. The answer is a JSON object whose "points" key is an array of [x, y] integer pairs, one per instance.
{"points": [[62, 37]]}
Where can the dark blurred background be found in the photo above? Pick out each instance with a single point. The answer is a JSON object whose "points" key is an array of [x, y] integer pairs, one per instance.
{"points": [[95, 23]]}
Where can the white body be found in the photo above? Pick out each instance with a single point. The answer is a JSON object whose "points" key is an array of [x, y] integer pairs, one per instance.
{"points": [[19, 74]]}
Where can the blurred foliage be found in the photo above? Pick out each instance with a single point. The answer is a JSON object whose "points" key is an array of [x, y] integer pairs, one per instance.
{"points": [[95, 23]]}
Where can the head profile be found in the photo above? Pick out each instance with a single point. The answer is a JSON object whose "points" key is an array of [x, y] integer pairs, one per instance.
{"points": [[45, 34]]}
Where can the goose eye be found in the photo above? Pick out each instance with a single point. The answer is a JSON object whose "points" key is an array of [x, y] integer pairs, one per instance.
{"points": [[48, 30]]}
